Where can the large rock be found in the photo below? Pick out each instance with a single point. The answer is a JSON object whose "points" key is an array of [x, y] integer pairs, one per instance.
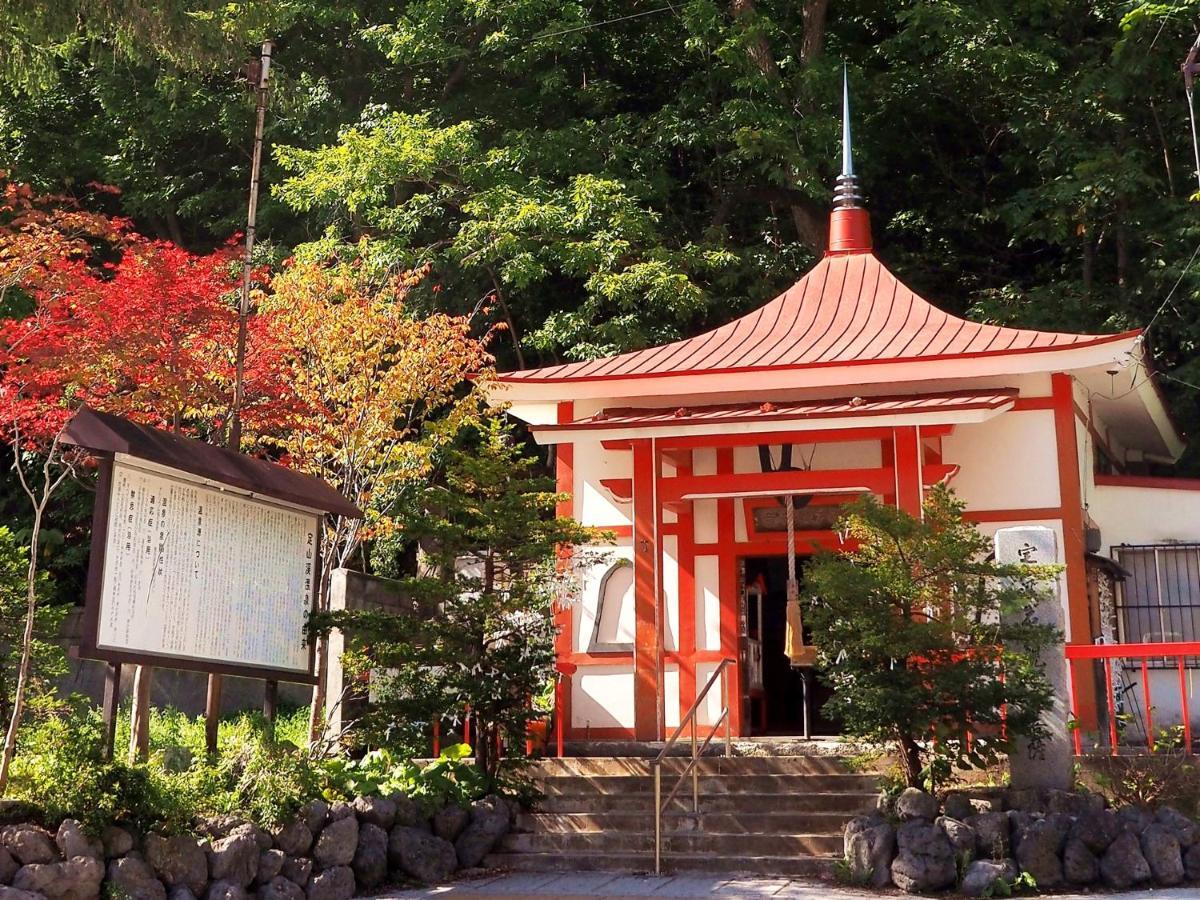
{"points": [[1038, 852], [869, 853], [75, 879], [340, 810], [957, 806], [314, 813], [1135, 818], [1123, 865], [116, 841], [371, 858], [181, 892], [1191, 862], [1186, 831], [336, 883], [421, 855], [29, 844], [295, 838], [408, 813], [853, 827], [1161, 849], [1080, 865], [449, 822], [131, 878], [279, 888], [178, 860], [225, 890], [1028, 800], [1073, 803], [914, 803], [73, 842], [234, 859], [297, 869], [12, 893], [1097, 829], [8, 867], [380, 811], [961, 836], [992, 834], [925, 861], [983, 877], [270, 864], [489, 822], [336, 843]]}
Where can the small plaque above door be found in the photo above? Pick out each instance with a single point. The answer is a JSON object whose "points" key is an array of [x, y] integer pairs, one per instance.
{"points": [[773, 518]]}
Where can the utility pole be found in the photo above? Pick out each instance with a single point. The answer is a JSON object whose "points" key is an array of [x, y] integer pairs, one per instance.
{"points": [[212, 705]]}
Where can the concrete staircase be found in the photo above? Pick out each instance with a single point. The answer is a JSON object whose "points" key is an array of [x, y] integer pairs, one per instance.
{"points": [[769, 815]]}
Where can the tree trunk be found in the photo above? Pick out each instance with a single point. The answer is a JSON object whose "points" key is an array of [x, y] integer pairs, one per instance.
{"points": [[18, 710], [910, 760], [813, 16]]}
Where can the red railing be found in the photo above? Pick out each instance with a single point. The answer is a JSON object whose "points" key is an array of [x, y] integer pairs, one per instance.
{"points": [[1142, 654]]}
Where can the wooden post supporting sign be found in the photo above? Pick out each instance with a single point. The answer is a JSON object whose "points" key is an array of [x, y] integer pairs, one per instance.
{"points": [[212, 713], [112, 696], [139, 725]]}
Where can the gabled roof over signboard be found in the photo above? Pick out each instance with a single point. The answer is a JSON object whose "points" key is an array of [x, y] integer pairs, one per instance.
{"points": [[105, 433]]}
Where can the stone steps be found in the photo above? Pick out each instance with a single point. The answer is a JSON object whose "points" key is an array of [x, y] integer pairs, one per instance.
{"points": [[766, 815]]}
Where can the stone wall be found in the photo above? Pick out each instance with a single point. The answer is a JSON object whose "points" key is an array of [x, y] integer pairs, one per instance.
{"points": [[974, 841], [329, 852]]}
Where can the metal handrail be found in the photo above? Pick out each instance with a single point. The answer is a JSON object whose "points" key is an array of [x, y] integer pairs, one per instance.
{"points": [[690, 718]]}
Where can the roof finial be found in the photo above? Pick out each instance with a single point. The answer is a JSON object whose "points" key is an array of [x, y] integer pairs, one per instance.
{"points": [[846, 194]]}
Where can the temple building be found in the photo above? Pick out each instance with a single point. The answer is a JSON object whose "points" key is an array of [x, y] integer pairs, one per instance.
{"points": [[848, 383]]}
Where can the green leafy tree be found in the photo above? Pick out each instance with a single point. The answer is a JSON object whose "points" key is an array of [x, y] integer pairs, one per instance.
{"points": [[491, 567], [925, 638]]}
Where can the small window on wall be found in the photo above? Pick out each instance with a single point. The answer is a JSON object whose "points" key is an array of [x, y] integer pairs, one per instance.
{"points": [[1160, 600], [614, 630]]}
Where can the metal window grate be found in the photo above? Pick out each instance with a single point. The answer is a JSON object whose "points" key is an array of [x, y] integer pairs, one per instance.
{"points": [[1160, 600]]}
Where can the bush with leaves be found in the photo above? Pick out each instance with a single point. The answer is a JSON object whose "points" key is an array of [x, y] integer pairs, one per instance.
{"points": [[925, 639], [48, 659]]}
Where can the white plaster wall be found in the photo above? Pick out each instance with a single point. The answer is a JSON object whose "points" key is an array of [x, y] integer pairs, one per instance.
{"points": [[823, 456], [1009, 462], [602, 697], [671, 695], [710, 710], [704, 514], [670, 582], [708, 603], [593, 504]]}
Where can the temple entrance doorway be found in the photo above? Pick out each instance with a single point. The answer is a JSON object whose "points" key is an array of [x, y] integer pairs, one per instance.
{"points": [[774, 700]]}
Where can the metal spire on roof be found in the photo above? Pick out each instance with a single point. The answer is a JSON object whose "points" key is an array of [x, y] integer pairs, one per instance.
{"points": [[846, 193]]}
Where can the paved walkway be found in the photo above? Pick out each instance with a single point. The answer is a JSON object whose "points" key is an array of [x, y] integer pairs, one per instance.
{"points": [[571, 885]]}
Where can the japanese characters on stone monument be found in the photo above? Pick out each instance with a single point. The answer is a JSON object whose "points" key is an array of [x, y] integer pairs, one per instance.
{"points": [[1048, 765]]}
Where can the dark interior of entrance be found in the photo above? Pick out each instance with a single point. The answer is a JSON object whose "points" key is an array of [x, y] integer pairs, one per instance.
{"points": [[783, 686]]}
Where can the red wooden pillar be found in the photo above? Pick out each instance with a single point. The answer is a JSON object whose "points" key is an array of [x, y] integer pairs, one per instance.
{"points": [[730, 593], [1070, 489], [686, 639], [907, 450], [645, 600], [564, 469]]}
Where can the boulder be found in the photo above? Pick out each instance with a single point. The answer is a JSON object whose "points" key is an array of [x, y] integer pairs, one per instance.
{"points": [[336, 883], [1186, 831], [853, 827], [1123, 864], [8, 867], [992, 834], [29, 844], [1038, 852], [340, 810], [914, 803], [234, 859], [1135, 818], [1097, 829], [1191, 862], [280, 888], [116, 841], [295, 838], [1018, 823], [986, 804], [260, 837], [982, 877], [336, 843], [270, 864], [925, 861], [957, 806], [1027, 800], [1161, 849], [379, 811], [225, 890], [75, 879], [178, 860], [489, 822], [297, 869], [408, 813], [421, 855], [1080, 865], [133, 879], [869, 853], [314, 813], [961, 836], [370, 862], [12, 893], [1073, 803], [73, 842], [449, 822], [181, 892]]}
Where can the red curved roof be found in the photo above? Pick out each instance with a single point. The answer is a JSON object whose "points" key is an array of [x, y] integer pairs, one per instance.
{"points": [[848, 310]]}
